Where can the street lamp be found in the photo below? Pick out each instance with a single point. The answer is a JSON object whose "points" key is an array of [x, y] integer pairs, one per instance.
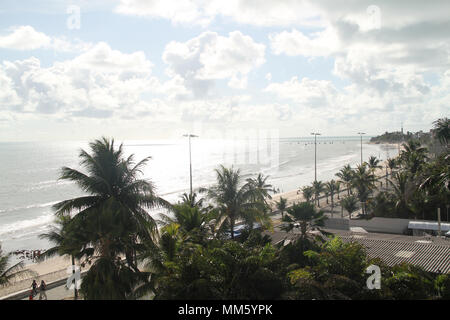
{"points": [[190, 157], [361, 133], [315, 134]]}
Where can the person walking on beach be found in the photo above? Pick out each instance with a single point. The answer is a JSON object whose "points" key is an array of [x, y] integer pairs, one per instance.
{"points": [[42, 293], [34, 286]]}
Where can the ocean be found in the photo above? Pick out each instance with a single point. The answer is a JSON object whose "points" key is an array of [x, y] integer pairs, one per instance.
{"points": [[29, 184]]}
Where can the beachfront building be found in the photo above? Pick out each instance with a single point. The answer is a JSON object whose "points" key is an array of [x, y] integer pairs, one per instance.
{"points": [[422, 228]]}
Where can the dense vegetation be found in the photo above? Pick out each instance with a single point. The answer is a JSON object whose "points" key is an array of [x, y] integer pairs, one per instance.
{"points": [[419, 180], [194, 252]]}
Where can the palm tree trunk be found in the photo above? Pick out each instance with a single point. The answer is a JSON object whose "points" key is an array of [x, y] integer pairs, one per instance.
{"points": [[232, 228], [73, 272]]}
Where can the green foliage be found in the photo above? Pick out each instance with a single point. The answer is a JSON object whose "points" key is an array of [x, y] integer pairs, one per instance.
{"points": [[304, 216], [408, 283], [442, 285], [9, 272]]}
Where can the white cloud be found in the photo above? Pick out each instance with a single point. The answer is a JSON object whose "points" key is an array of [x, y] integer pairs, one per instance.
{"points": [[201, 12], [27, 38], [210, 57], [307, 92], [24, 38], [295, 43], [94, 84], [102, 58]]}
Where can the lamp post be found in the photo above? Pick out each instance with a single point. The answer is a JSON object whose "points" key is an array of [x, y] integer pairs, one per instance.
{"points": [[361, 133], [315, 134], [190, 158]]}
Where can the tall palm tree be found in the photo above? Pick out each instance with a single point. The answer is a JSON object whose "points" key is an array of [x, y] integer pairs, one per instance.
{"points": [[346, 176], [364, 182], [234, 199], [350, 204], [11, 272], [281, 205], [110, 177], [331, 187], [318, 188]]}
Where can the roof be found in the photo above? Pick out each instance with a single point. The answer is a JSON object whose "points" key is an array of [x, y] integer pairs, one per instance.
{"points": [[423, 225], [430, 253]]}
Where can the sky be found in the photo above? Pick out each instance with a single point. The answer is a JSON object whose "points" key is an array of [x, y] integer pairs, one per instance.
{"points": [[155, 69]]}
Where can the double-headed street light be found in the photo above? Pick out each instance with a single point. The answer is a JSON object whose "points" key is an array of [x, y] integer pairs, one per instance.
{"points": [[361, 133], [315, 134], [190, 157]]}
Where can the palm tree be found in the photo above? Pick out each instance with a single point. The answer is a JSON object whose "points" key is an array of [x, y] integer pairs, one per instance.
{"points": [[331, 187], [112, 178], [261, 187], [308, 192], [346, 176], [413, 157], [233, 199], [111, 221], [65, 242], [193, 222], [403, 189], [191, 200], [338, 189], [318, 188], [350, 204], [281, 205], [305, 216], [392, 164], [441, 130], [160, 258], [9, 273], [374, 163], [364, 183]]}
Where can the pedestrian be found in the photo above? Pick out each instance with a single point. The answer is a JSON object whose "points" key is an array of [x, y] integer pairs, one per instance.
{"points": [[34, 288], [30, 297], [42, 293]]}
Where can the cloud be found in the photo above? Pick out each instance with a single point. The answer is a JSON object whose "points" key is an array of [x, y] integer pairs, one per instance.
{"points": [[201, 12], [24, 38], [208, 57], [295, 43], [27, 38], [94, 84], [307, 92]]}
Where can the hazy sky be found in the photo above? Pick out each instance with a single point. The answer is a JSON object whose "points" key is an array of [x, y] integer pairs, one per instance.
{"points": [[136, 69]]}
